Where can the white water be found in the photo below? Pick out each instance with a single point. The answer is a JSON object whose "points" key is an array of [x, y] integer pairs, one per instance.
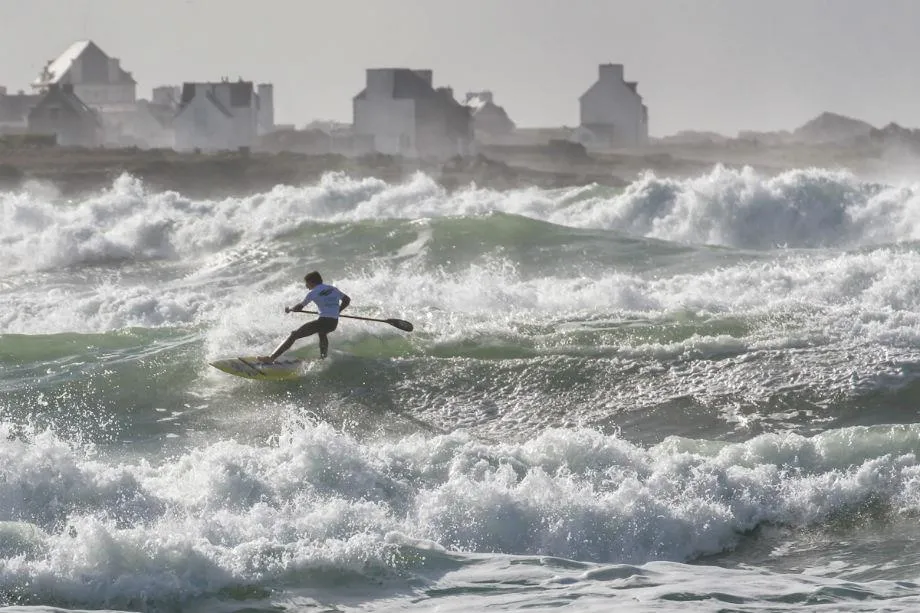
{"points": [[740, 209], [102, 531], [527, 494]]}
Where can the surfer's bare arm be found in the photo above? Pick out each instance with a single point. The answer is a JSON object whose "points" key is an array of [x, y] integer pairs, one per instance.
{"points": [[345, 302], [297, 308]]}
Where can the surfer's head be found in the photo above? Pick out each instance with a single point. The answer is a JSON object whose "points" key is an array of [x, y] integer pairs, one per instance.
{"points": [[313, 279]]}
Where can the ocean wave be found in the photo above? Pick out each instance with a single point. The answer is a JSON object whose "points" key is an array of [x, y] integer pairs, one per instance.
{"points": [[737, 208], [96, 532]]}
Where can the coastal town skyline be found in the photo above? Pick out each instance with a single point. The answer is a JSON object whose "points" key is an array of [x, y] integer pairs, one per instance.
{"points": [[738, 80]]}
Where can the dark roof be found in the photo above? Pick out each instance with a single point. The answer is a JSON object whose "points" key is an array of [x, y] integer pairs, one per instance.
{"points": [[16, 107], [632, 85], [220, 107], [64, 95], [407, 83], [241, 93]]}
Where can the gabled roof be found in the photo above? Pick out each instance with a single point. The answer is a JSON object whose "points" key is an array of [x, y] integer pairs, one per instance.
{"points": [[632, 85], [190, 92], [58, 68], [407, 83], [67, 97]]}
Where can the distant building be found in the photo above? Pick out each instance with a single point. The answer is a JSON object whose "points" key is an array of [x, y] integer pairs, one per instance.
{"points": [[60, 112], [14, 111], [490, 121], [399, 112], [166, 96], [612, 112], [142, 124], [266, 117], [97, 79], [224, 115]]}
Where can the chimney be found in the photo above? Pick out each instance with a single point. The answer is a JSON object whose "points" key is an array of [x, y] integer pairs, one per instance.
{"points": [[266, 113], [610, 72], [114, 70]]}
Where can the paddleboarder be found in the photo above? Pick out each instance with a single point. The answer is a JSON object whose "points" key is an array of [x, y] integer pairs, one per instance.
{"points": [[329, 300]]}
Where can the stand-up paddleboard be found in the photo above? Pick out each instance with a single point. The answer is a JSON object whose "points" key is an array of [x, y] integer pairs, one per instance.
{"points": [[250, 367]]}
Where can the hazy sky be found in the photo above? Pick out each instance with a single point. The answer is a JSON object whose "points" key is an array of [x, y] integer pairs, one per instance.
{"points": [[719, 65]]}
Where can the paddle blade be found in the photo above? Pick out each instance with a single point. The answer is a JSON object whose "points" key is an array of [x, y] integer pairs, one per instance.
{"points": [[405, 326]]}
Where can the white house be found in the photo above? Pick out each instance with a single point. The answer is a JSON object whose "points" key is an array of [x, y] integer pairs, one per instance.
{"points": [[97, 79], [612, 112], [490, 121], [61, 113], [399, 112], [225, 115]]}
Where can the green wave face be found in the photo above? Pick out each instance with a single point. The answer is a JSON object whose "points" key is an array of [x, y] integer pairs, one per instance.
{"points": [[687, 379]]}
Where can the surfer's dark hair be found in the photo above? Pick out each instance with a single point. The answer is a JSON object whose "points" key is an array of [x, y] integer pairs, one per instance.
{"points": [[313, 277]]}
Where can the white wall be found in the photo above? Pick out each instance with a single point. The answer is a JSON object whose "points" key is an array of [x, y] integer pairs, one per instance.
{"points": [[135, 126], [390, 121], [266, 108], [101, 94], [611, 101], [201, 125], [244, 124], [14, 127]]}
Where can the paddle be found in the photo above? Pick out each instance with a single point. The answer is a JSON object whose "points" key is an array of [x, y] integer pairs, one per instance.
{"points": [[403, 325]]}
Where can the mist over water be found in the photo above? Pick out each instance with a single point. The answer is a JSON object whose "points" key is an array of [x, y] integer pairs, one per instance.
{"points": [[699, 390]]}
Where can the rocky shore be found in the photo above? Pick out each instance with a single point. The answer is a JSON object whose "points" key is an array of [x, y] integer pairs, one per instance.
{"points": [[74, 171]]}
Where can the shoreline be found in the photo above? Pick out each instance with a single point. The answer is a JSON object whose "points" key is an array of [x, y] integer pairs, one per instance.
{"points": [[75, 171]]}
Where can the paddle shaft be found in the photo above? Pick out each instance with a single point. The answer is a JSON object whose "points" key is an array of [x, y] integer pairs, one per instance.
{"points": [[396, 323], [348, 316]]}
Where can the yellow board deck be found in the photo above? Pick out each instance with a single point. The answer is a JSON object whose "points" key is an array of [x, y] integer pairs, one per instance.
{"points": [[249, 367]]}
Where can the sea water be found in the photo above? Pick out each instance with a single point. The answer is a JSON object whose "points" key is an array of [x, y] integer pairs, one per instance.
{"points": [[698, 394]]}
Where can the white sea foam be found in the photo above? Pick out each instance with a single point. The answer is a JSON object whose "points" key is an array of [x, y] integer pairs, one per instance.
{"points": [[739, 208], [87, 530]]}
